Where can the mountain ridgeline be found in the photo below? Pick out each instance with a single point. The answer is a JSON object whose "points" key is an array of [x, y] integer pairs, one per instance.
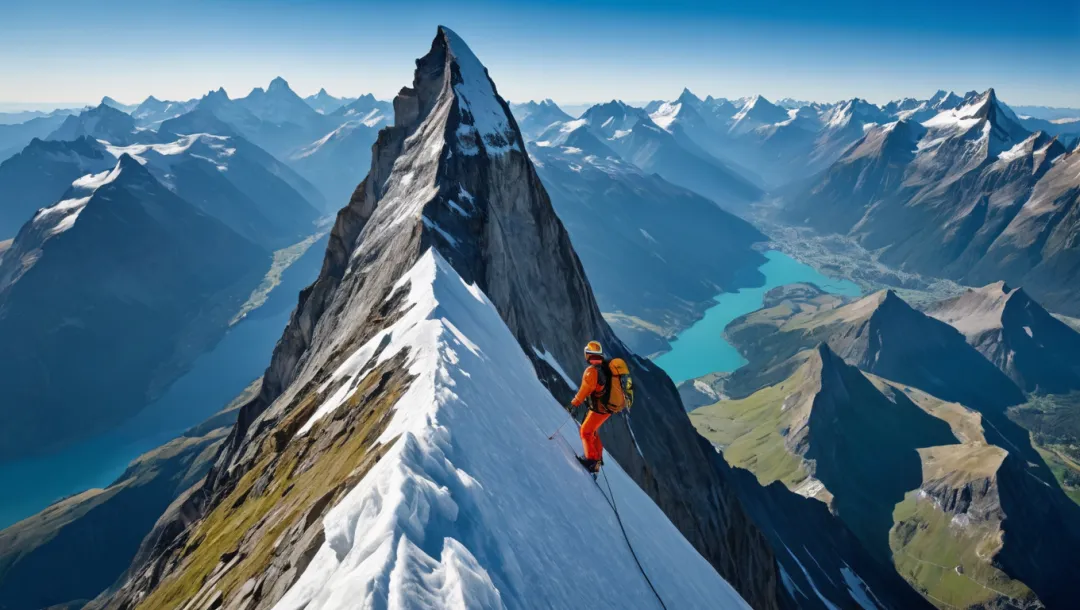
{"points": [[451, 176]]}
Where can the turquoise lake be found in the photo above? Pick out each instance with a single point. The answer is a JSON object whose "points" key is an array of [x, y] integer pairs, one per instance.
{"points": [[702, 349]]}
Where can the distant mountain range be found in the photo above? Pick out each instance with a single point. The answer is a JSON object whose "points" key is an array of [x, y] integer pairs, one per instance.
{"points": [[119, 234], [633, 135], [968, 194]]}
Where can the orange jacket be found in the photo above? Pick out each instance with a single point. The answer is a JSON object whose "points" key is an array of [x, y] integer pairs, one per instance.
{"points": [[589, 381], [590, 386]]}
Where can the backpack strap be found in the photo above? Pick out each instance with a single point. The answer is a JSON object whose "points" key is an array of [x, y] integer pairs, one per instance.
{"points": [[599, 403], [605, 398]]}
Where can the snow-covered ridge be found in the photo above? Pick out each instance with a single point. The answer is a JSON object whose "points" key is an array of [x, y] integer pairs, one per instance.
{"points": [[208, 147], [473, 506], [62, 215]]}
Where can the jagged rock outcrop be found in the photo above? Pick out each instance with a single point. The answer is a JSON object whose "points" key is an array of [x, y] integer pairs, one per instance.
{"points": [[450, 174]]}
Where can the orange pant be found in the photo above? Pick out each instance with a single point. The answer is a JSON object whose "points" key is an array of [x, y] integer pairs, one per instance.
{"points": [[590, 437]]}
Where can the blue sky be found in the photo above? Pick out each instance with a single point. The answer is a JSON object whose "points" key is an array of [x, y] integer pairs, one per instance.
{"points": [[69, 51]]}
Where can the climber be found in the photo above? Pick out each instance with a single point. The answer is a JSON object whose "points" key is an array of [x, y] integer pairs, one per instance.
{"points": [[606, 386]]}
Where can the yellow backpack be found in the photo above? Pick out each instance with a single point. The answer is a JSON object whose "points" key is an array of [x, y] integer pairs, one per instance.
{"points": [[618, 387]]}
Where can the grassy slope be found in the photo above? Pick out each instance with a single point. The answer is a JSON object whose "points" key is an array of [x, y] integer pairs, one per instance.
{"points": [[749, 432], [296, 482], [1054, 424]]}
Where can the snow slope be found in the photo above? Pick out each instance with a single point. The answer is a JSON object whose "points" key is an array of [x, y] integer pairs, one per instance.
{"points": [[471, 458]]}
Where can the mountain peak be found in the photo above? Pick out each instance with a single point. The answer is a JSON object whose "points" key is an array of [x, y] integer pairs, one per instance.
{"points": [[486, 125], [686, 97], [216, 95], [278, 84]]}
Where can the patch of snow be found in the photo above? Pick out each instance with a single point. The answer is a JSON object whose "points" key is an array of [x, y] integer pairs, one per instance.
{"points": [[96, 181], [666, 114], [63, 214], [789, 584], [457, 208], [620, 133], [472, 506], [548, 358], [1015, 152], [570, 126], [645, 234], [859, 590], [706, 389], [431, 224], [828, 604], [204, 146], [572, 150]]}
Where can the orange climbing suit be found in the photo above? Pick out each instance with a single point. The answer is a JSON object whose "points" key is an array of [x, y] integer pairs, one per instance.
{"points": [[591, 388]]}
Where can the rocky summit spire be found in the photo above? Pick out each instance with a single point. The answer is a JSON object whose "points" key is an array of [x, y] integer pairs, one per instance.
{"points": [[451, 208]]}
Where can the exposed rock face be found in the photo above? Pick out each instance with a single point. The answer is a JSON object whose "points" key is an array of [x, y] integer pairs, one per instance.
{"points": [[452, 174], [1036, 350], [1039, 249], [122, 267]]}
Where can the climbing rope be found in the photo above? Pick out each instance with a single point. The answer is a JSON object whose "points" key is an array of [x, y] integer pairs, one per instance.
{"points": [[610, 499], [618, 518]]}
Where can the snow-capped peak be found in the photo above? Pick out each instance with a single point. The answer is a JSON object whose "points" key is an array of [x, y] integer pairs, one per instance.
{"points": [[757, 112], [665, 115], [485, 124], [855, 110]]}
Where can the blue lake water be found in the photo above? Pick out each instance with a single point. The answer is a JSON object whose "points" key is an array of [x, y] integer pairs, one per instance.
{"points": [[702, 349], [216, 378]]}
